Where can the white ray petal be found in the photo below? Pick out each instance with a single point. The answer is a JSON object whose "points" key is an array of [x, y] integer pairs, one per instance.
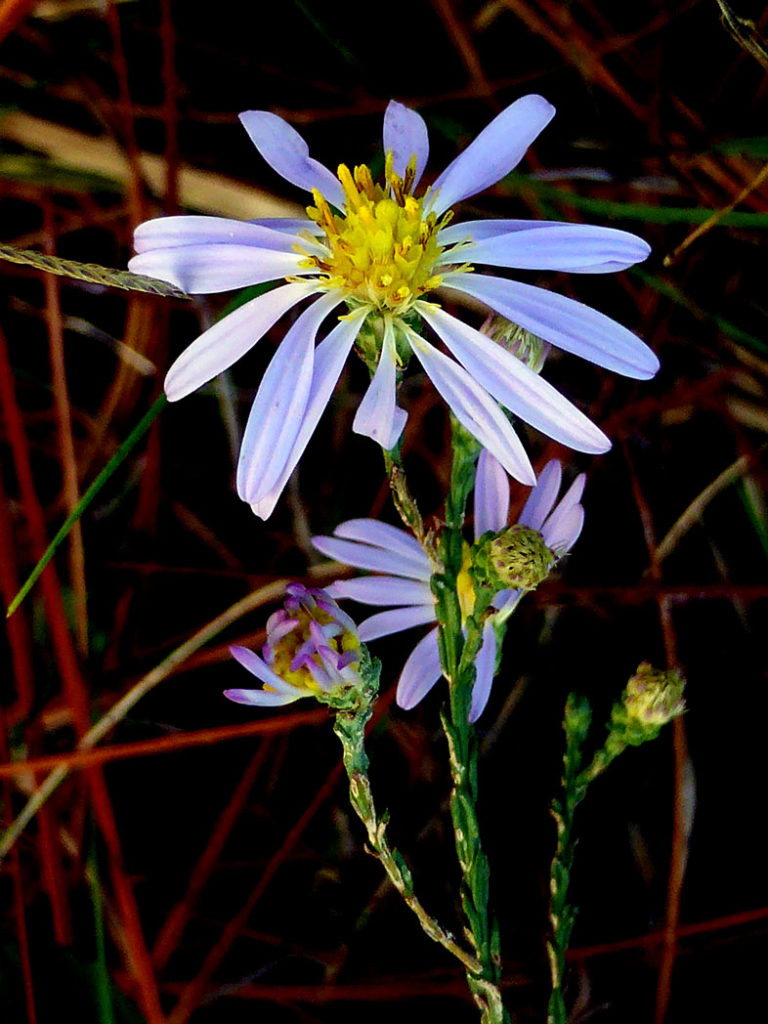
{"points": [[278, 408], [571, 247], [383, 591], [171, 232], [394, 621], [568, 324], [224, 343], [485, 669], [493, 153], [518, 388], [382, 535], [217, 267], [330, 356], [406, 135], [420, 672], [378, 415], [363, 556], [491, 495], [542, 497], [288, 154], [474, 409]]}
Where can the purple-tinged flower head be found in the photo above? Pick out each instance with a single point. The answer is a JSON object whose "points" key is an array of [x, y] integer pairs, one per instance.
{"points": [[652, 698], [312, 650], [404, 591], [379, 250]]}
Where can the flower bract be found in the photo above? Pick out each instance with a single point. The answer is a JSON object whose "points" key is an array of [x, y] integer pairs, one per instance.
{"points": [[380, 250], [404, 590]]}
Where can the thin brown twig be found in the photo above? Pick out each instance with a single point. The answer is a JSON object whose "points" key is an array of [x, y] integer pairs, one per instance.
{"points": [[715, 219]]}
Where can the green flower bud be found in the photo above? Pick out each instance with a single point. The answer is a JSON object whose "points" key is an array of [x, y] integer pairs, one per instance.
{"points": [[529, 348], [514, 559], [652, 698]]}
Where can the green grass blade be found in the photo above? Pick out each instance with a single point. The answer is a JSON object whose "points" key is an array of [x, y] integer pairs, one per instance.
{"points": [[100, 971], [519, 184], [125, 448]]}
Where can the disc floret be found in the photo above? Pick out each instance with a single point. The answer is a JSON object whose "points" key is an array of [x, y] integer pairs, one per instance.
{"points": [[382, 250]]}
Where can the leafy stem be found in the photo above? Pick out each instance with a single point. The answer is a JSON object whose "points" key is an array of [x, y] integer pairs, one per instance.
{"points": [[459, 643], [349, 726]]}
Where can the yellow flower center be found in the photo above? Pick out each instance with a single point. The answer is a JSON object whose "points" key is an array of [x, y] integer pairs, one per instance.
{"points": [[382, 250], [287, 647]]}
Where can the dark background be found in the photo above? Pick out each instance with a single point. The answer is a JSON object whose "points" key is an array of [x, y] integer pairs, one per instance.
{"points": [[246, 836]]}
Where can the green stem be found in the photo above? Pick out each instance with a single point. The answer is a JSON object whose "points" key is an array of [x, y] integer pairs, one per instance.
{"points": [[349, 726], [561, 914], [404, 501], [458, 650]]}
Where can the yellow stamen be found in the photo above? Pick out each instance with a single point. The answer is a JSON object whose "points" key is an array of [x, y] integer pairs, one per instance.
{"points": [[382, 250]]}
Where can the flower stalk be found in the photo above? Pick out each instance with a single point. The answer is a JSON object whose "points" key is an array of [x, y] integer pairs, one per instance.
{"points": [[651, 699], [349, 726], [458, 650]]}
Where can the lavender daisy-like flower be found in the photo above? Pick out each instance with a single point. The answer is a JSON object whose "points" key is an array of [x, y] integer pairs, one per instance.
{"points": [[404, 588], [379, 250], [312, 650]]}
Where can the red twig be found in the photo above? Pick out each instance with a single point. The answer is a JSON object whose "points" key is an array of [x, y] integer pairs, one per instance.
{"points": [[174, 925]]}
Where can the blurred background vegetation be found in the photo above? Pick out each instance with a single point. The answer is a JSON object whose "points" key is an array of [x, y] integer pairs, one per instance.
{"points": [[199, 861]]}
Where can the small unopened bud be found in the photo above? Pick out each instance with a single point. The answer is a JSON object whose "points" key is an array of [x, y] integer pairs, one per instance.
{"points": [[529, 348], [652, 698], [514, 559]]}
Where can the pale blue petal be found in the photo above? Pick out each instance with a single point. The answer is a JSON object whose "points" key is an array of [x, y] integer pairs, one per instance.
{"points": [[395, 620], [485, 669], [224, 343], [171, 232], [382, 535], [217, 267], [494, 153], [506, 600], [476, 230], [277, 411], [607, 267], [474, 409], [562, 529], [517, 387], [406, 135], [568, 247], [383, 591], [378, 416], [265, 698], [574, 493], [542, 497], [288, 154], [568, 324], [259, 668], [289, 225], [420, 672], [491, 495], [363, 556], [330, 356], [564, 525]]}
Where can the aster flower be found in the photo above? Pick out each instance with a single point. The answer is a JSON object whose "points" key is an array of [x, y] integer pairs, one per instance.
{"points": [[312, 650], [405, 590], [379, 251]]}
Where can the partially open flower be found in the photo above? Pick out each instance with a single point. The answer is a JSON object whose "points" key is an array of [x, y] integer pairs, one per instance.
{"points": [[405, 589], [312, 650]]}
